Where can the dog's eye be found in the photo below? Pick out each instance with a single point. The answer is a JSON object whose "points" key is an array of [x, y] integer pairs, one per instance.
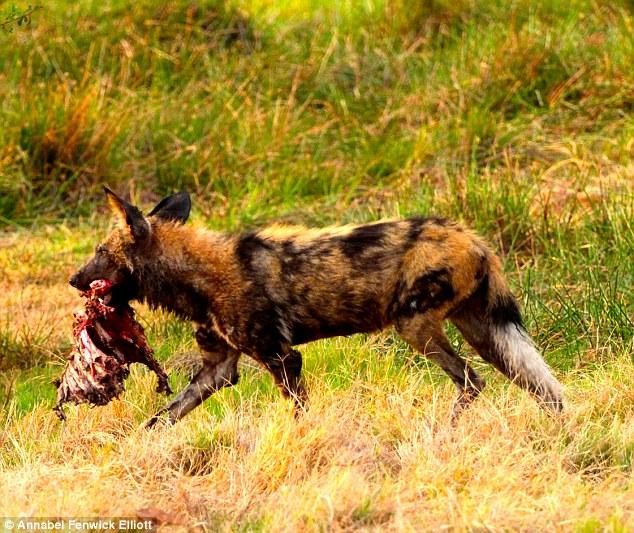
{"points": [[101, 249]]}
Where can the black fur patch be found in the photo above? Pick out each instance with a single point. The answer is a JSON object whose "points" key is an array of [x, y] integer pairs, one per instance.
{"points": [[289, 248], [178, 297], [304, 314], [482, 268], [126, 290], [416, 226], [429, 291], [397, 298], [504, 310], [362, 239], [263, 328], [353, 317], [500, 310], [209, 341], [248, 245], [439, 221], [302, 260], [263, 323]]}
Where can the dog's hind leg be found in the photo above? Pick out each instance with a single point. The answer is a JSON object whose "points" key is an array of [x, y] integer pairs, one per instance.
{"points": [[491, 322], [511, 351], [425, 334], [220, 369]]}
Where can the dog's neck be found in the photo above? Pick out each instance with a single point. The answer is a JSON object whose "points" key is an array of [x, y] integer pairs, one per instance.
{"points": [[181, 271]]}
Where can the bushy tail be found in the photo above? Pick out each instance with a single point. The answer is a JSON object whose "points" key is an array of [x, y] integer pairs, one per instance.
{"points": [[514, 352]]}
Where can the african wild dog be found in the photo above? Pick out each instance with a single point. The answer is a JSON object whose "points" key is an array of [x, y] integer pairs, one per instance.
{"points": [[263, 292]]}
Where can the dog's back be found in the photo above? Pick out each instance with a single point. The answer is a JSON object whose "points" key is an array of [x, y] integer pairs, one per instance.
{"points": [[361, 278]]}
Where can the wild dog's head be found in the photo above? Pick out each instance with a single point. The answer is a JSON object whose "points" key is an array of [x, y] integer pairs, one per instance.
{"points": [[115, 257]]}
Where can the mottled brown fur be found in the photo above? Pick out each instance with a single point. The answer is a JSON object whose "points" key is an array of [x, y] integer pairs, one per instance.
{"points": [[263, 292]]}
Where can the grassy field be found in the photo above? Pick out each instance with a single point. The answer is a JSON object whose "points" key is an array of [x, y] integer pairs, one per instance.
{"points": [[516, 118]]}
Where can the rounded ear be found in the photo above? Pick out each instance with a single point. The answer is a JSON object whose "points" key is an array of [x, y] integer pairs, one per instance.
{"points": [[128, 216], [175, 207]]}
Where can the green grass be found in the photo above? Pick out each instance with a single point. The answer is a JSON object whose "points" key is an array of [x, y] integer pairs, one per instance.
{"points": [[513, 117]]}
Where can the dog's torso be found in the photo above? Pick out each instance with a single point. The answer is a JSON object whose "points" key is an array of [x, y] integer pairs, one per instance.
{"points": [[290, 285]]}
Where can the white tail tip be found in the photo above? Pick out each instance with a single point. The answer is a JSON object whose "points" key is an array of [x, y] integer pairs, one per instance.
{"points": [[526, 364]]}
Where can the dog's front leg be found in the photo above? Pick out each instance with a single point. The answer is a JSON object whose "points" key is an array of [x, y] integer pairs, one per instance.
{"points": [[286, 369], [220, 369]]}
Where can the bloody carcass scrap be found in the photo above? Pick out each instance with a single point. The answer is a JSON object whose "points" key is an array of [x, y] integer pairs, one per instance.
{"points": [[107, 340]]}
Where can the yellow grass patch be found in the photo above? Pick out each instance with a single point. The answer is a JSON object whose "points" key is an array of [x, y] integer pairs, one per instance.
{"points": [[357, 458]]}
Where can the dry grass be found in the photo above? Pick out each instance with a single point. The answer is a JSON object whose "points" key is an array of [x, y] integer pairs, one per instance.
{"points": [[379, 455]]}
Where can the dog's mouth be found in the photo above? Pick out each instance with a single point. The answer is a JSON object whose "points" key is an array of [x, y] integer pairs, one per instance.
{"points": [[102, 288], [113, 293]]}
